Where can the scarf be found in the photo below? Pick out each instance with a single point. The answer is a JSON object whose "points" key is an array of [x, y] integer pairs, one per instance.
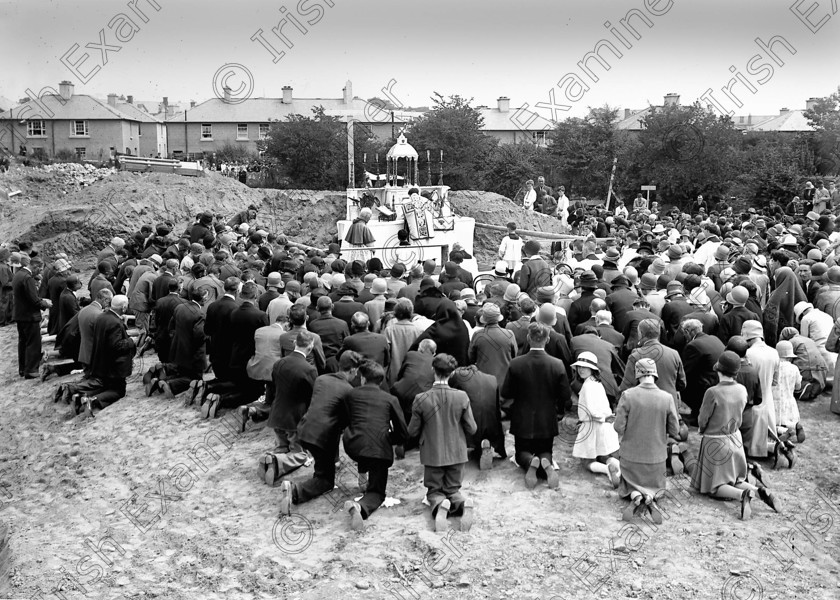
{"points": [[778, 313]]}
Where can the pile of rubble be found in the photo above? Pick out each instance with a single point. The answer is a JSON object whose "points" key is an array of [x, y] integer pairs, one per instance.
{"points": [[79, 174]]}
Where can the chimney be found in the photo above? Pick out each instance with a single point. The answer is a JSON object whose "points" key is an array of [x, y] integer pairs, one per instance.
{"points": [[112, 100], [811, 103], [672, 99], [628, 113], [130, 99], [348, 93], [226, 91], [503, 103], [65, 89], [287, 94], [192, 103]]}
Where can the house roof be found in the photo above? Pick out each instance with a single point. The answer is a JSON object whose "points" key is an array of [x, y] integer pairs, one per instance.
{"points": [[5, 103], [78, 107], [515, 119], [634, 121], [138, 113], [792, 120], [261, 110]]}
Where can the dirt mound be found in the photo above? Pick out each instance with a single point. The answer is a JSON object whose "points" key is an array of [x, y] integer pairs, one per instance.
{"points": [[78, 220], [491, 208]]}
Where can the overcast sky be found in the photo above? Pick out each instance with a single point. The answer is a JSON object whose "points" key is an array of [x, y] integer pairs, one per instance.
{"points": [[477, 48]]}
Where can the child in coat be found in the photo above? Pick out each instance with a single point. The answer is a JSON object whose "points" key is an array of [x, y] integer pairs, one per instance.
{"points": [[596, 440], [788, 426]]}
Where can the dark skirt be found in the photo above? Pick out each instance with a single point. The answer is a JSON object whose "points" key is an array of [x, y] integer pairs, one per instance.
{"points": [[648, 479], [721, 461]]}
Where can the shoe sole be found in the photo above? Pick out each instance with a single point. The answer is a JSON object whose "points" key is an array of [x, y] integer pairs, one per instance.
{"points": [[551, 476], [262, 466], [357, 523], [205, 409], [485, 463], [615, 478], [243, 416], [441, 523], [531, 475], [467, 519], [167, 391], [214, 407], [271, 472], [800, 434], [286, 498], [746, 510]]}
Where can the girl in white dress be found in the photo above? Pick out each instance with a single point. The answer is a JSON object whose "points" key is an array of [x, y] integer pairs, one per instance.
{"points": [[788, 426], [596, 440]]}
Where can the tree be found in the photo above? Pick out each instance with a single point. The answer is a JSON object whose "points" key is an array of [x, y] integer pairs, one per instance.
{"points": [[688, 150], [312, 151], [824, 116], [508, 165], [583, 149], [456, 128]]}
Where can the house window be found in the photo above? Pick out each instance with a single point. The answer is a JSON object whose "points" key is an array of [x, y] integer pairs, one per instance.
{"points": [[242, 131], [539, 137], [80, 153], [80, 128], [139, 129], [36, 128], [263, 130], [206, 131]]}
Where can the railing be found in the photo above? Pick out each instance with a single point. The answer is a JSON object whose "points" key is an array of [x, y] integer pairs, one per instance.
{"points": [[407, 255]]}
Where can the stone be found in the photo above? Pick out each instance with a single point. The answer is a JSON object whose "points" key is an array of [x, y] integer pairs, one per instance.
{"points": [[363, 584], [301, 575]]}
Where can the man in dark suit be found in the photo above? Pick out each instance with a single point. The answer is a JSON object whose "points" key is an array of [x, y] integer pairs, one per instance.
{"points": [[164, 312], [187, 357], [731, 321], [535, 272], [346, 306], [604, 325], [416, 375], [293, 380], [675, 309], [68, 304], [373, 346], [110, 363], [87, 317], [620, 301], [241, 389], [699, 358], [319, 431], [640, 312], [596, 305], [55, 287], [539, 387], [429, 299], [331, 330], [297, 323], [218, 329], [374, 424], [579, 309], [26, 312], [160, 286]]}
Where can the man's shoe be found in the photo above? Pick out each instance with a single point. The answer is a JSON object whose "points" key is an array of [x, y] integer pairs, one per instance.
{"points": [[271, 470], [285, 498], [804, 392], [776, 450], [32, 376], [355, 511], [167, 391], [196, 392], [87, 404], [653, 509], [768, 498], [552, 477], [76, 403], [213, 401], [746, 511], [152, 386], [800, 433], [244, 416], [441, 516], [614, 472], [262, 465], [399, 452], [790, 455], [531, 474], [485, 463], [59, 393], [632, 509], [467, 518]]}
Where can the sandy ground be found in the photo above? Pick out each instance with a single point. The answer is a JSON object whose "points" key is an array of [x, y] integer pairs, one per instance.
{"points": [[122, 506]]}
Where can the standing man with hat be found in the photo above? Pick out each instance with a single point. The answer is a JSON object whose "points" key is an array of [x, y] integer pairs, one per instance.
{"points": [[26, 312]]}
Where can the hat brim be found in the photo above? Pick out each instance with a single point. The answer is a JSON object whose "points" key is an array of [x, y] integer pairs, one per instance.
{"points": [[723, 371], [588, 365]]}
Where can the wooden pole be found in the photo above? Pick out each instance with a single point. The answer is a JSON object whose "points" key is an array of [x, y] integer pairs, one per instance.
{"points": [[538, 234], [612, 176]]}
